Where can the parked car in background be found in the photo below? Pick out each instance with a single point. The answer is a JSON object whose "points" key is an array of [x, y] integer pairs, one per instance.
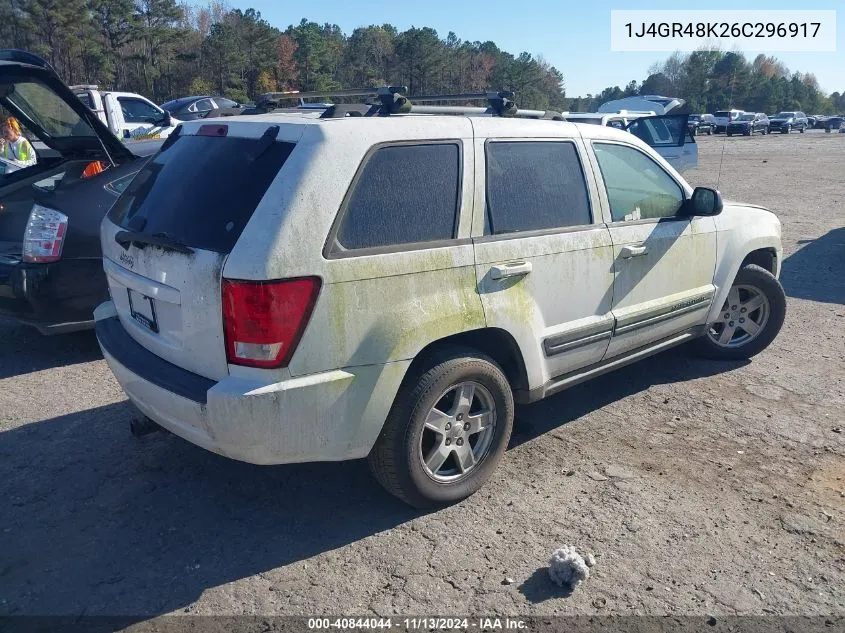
{"points": [[835, 124], [51, 269], [785, 122], [198, 107], [702, 124], [723, 117], [820, 121], [128, 115], [268, 313], [748, 123]]}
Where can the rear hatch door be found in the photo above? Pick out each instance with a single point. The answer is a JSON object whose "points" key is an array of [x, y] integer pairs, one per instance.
{"points": [[166, 239], [68, 135], [670, 137], [47, 108]]}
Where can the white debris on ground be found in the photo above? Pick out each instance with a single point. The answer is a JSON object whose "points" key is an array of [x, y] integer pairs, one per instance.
{"points": [[568, 568]]}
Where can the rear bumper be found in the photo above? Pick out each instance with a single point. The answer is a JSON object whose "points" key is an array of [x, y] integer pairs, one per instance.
{"points": [[330, 416], [55, 298]]}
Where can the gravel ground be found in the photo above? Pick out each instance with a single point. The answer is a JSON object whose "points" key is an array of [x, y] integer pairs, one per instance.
{"points": [[701, 487]]}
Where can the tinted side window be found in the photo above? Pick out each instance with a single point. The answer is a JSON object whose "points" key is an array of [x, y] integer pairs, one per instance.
{"points": [[637, 187], [534, 185], [404, 194]]}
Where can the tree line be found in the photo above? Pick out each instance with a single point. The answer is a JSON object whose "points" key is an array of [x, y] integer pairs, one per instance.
{"points": [[166, 50], [711, 80]]}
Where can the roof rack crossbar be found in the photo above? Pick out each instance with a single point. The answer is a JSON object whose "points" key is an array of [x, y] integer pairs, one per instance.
{"points": [[466, 96], [312, 94], [501, 102]]}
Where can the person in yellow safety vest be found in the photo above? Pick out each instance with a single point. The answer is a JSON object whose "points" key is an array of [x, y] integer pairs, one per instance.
{"points": [[15, 147]]}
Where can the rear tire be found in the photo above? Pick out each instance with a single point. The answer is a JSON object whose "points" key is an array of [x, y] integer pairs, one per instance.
{"points": [[430, 418], [802, 130], [756, 300]]}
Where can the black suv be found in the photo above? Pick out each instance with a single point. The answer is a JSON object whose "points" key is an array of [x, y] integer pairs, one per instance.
{"points": [[749, 123], [785, 122], [51, 269], [701, 123]]}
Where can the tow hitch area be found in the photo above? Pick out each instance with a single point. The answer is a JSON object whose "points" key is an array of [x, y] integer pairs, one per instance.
{"points": [[142, 426]]}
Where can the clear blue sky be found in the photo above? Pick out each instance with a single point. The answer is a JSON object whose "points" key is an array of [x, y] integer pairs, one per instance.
{"points": [[574, 37]]}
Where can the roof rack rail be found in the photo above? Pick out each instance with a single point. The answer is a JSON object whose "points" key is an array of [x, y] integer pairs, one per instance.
{"points": [[387, 100], [341, 110]]}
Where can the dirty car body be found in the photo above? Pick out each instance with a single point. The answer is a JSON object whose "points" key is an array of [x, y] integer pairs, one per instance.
{"points": [[428, 260]]}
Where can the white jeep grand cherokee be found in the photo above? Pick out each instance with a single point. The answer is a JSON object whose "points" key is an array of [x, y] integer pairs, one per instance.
{"points": [[289, 289]]}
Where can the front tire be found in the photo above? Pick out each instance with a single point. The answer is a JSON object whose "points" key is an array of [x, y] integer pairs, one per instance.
{"points": [[750, 319], [447, 430]]}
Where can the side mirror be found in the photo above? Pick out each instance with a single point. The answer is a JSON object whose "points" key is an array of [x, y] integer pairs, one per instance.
{"points": [[704, 201], [166, 120]]}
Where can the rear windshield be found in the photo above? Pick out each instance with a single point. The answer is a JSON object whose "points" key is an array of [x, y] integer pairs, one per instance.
{"points": [[200, 190], [723, 114]]}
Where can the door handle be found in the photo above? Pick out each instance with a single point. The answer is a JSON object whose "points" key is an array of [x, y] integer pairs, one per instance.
{"points": [[515, 269], [628, 252]]}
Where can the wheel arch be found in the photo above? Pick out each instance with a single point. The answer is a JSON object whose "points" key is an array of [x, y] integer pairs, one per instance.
{"points": [[762, 253], [764, 258], [494, 342]]}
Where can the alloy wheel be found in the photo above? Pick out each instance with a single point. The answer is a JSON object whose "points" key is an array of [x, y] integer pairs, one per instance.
{"points": [[743, 317], [458, 432]]}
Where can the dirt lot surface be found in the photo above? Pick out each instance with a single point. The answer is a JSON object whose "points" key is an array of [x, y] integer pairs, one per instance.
{"points": [[701, 487]]}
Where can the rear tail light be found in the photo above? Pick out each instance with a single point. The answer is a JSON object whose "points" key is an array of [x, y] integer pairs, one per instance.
{"points": [[264, 320], [44, 235]]}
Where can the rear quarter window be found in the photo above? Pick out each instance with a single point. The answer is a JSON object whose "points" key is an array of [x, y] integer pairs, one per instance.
{"points": [[403, 194]]}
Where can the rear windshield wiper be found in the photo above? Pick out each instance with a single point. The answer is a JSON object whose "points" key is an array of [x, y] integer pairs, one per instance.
{"points": [[162, 240]]}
